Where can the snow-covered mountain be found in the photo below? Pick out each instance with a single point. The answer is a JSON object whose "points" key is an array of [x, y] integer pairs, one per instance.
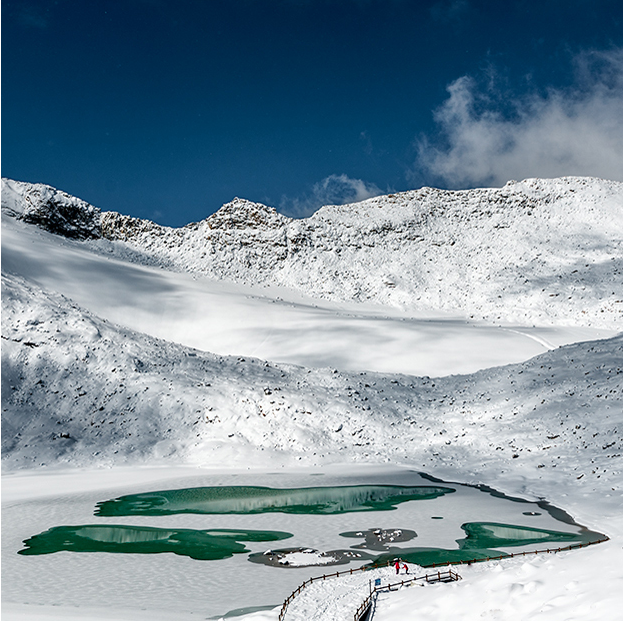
{"points": [[94, 375], [537, 251], [79, 390]]}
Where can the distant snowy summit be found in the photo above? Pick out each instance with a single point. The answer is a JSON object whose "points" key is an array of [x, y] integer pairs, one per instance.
{"points": [[538, 251]]}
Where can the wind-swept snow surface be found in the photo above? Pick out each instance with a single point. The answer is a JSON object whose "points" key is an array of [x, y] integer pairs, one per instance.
{"points": [[228, 318], [113, 355], [72, 395]]}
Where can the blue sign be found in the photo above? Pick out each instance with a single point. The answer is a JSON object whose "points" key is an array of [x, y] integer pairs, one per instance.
{"points": [[377, 582]]}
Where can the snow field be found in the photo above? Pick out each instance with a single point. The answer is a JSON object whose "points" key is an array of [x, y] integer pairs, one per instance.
{"points": [[249, 321], [578, 585], [72, 396]]}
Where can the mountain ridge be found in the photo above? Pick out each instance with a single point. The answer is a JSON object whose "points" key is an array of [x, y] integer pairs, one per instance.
{"points": [[537, 251]]}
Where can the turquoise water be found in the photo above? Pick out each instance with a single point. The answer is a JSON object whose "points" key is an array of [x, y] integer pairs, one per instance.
{"points": [[259, 499], [488, 535], [483, 538], [199, 544]]}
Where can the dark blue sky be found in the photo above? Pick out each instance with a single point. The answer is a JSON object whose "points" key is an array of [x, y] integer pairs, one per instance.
{"points": [[168, 109]]}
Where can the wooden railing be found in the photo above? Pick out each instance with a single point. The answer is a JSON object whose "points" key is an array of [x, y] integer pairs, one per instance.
{"points": [[570, 547], [438, 577], [322, 578]]}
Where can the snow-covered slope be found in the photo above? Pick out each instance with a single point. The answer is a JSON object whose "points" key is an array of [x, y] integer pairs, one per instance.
{"points": [[71, 394], [272, 323], [80, 390], [537, 252]]}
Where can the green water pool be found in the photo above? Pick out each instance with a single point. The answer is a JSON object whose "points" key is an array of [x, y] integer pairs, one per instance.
{"points": [[482, 538], [259, 499], [209, 544]]}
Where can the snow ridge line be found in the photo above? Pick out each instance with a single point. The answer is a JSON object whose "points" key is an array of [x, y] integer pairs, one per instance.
{"points": [[311, 580], [533, 252]]}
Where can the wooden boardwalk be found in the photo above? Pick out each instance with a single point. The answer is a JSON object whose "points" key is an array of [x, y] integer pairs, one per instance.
{"points": [[364, 610], [446, 574]]}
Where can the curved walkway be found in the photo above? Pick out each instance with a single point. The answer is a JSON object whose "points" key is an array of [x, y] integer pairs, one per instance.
{"points": [[338, 598], [310, 602]]}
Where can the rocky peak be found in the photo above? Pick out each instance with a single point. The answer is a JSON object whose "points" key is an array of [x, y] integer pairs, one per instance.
{"points": [[51, 209], [117, 226], [243, 214]]}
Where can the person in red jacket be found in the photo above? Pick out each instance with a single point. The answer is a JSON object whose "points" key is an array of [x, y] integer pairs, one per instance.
{"points": [[397, 565]]}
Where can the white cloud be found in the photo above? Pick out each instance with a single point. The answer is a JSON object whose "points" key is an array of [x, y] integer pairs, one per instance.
{"points": [[333, 190], [576, 131]]}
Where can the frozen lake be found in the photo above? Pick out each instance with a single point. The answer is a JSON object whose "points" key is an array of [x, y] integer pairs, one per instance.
{"points": [[194, 588]]}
